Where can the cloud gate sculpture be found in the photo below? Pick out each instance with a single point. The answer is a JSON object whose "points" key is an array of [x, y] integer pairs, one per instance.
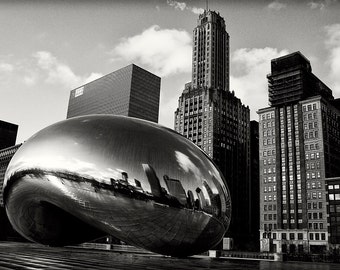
{"points": [[91, 176]]}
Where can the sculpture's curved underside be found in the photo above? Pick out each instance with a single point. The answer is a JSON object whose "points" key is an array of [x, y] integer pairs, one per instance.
{"points": [[90, 176]]}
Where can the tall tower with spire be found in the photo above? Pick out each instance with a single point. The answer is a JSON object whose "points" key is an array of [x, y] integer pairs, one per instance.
{"points": [[212, 117], [210, 58]]}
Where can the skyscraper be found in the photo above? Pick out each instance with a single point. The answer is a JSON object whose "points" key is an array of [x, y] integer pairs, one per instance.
{"points": [[129, 91], [214, 118], [8, 134], [299, 147], [210, 58]]}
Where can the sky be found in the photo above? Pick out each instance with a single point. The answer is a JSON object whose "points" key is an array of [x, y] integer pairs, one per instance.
{"points": [[50, 47]]}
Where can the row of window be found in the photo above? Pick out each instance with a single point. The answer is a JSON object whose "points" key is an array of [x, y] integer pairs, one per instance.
{"points": [[269, 207], [310, 125], [269, 217], [269, 189], [269, 141], [309, 107], [292, 221], [269, 170], [269, 161], [269, 179], [268, 124], [315, 226], [333, 186], [269, 198], [309, 116], [267, 116], [269, 226], [269, 132], [313, 165], [314, 185], [312, 155], [313, 175], [315, 215], [334, 197], [314, 205], [269, 153], [315, 195], [312, 135], [334, 209], [312, 146]]}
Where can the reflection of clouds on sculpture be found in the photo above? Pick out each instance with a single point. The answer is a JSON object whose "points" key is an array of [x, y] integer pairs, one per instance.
{"points": [[187, 165]]}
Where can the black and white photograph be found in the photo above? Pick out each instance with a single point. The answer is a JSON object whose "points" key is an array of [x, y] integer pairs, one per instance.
{"points": [[163, 134]]}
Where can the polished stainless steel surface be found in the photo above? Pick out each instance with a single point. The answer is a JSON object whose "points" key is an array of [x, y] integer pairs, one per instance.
{"points": [[90, 176]]}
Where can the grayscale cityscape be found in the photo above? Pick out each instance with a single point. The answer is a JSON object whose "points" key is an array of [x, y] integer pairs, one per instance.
{"points": [[163, 134]]}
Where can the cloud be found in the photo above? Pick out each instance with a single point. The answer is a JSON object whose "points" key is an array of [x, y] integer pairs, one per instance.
{"points": [[30, 79], [248, 76], [57, 72], [332, 43], [93, 76], [276, 6], [6, 67], [183, 6], [163, 51], [321, 4], [315, 5]]}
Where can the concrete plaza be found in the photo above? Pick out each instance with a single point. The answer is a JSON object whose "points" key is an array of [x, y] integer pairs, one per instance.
{"points": [[33, 256]]}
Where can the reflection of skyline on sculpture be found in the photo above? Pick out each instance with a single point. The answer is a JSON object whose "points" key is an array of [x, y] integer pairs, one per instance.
{"points": [[101, 166], [115, 164]]}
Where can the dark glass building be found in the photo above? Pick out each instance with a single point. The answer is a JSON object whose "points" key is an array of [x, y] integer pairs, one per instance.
{"points": [[129, 91], [8, 134], [6, 230], [6, 155], [299, 145], [216, 120], [254, 185]]}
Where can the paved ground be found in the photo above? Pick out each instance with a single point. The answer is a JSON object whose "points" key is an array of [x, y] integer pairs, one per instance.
{"points": [[32, 256]]}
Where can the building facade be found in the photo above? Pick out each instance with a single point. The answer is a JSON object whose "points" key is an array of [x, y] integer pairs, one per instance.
{"points": [[210, 58], [8, 134], [299, 145], [129, 91], [6, 230], [333, 211], [215, 119], [6, 155]]}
